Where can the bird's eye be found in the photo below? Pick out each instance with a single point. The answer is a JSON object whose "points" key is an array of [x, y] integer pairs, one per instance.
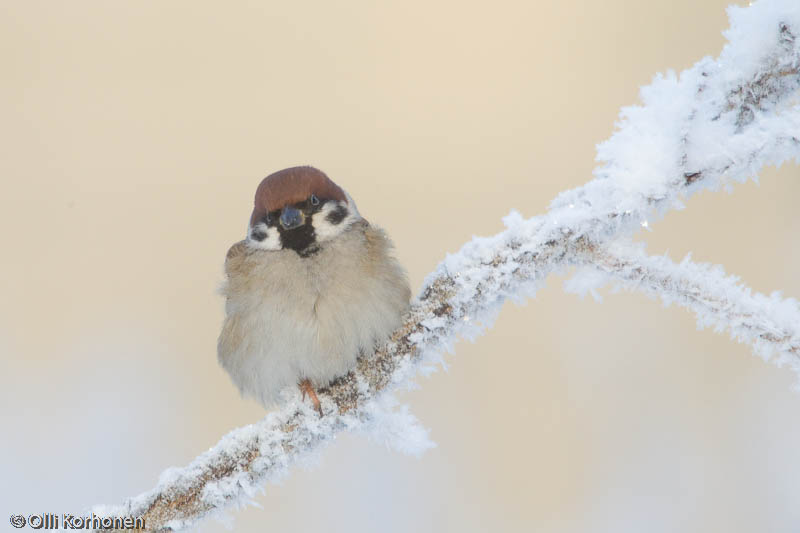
{"points": [[314, 200], [267, 219]]}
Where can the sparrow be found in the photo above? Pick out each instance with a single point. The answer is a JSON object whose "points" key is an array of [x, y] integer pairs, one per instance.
{"points": [[311, 287]]}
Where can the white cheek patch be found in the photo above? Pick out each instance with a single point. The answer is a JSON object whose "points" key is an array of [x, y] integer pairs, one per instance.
{"points": [[324, 229], [272, 241]]}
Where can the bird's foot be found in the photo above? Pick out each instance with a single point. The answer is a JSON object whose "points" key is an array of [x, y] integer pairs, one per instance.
{"points": [[307, 388]]}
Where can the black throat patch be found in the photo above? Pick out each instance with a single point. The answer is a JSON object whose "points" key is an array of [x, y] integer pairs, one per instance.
{"points": [[302, 239]]}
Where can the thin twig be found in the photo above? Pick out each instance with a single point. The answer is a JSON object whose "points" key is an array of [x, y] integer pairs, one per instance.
{"points": [[770, 324]]}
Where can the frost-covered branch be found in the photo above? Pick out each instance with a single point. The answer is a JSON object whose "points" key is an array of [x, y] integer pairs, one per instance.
{"points": [[719, 121], [770, 324]]}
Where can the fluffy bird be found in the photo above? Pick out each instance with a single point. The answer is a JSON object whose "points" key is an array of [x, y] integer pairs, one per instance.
{"points": [[311, 287]]}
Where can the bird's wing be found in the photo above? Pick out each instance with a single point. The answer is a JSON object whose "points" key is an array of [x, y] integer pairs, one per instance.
{"points": [[235, 255]]}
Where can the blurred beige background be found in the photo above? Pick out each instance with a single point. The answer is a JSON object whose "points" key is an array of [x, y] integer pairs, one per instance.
{"points": [[133, 136]]}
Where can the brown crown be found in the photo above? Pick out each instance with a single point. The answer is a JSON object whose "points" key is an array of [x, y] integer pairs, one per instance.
{"points": [[290, 186]]}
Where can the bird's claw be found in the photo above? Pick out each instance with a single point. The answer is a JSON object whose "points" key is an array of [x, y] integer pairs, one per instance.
{"points": [[307, 388]]}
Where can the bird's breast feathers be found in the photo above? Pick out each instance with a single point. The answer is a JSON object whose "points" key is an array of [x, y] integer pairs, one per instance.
{"points": [[290, 317]]}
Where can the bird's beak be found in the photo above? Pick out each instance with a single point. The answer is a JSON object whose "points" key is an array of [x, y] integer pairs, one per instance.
{"points": [[291, 218]]}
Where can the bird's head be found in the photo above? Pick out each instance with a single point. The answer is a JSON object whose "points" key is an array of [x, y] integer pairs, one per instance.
{"points": [[299, 208]]}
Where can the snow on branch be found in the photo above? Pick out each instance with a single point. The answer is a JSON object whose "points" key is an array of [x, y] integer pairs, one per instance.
{"points": [[720, 121], [770, 324]]}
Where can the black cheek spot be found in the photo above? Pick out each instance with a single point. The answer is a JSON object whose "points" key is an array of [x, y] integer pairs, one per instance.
{"points": [[337, 215], [258, 235]]}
